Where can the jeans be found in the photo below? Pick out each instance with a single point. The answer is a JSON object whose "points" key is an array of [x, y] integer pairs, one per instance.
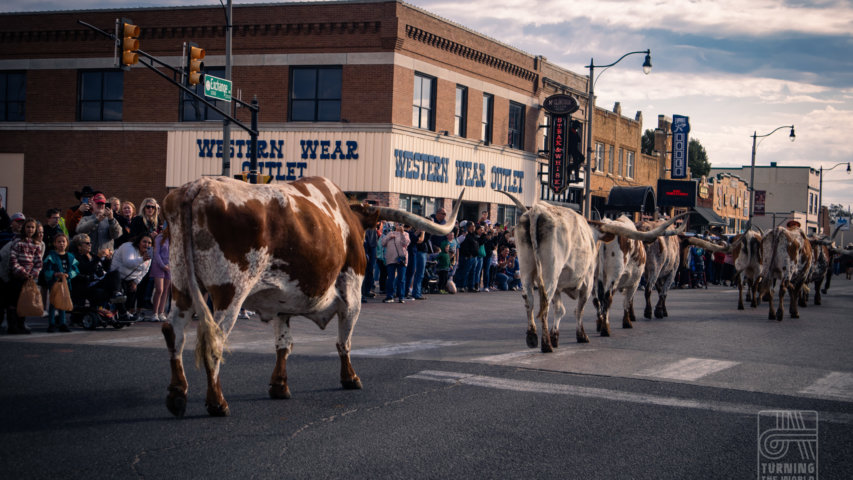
{"points": [[505, 282], [396, 282], [474, 272], [465, 264], [367, 284], [416, 279], [55, 319]]}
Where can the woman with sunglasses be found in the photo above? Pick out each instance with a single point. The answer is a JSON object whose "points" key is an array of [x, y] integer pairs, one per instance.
{"points": [[148, 222]]}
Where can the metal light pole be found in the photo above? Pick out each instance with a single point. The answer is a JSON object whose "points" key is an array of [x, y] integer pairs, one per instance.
{"points": [[226, 124], [590, 110], [820, 191], [755, 136]]}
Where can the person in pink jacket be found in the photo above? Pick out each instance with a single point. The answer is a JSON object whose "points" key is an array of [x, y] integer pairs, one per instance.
{"points": [[396, 245]]}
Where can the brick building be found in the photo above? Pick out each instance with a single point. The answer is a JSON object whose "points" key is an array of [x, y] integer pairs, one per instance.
{"points": [[391, 102], [728, 196]]}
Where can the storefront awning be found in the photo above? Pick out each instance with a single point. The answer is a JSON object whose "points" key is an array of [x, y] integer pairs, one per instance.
{"points": [[631, 199], [706, 216]]}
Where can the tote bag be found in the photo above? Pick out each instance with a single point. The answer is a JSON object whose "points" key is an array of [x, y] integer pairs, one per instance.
{"points": [[29, 302], [60, 295]]}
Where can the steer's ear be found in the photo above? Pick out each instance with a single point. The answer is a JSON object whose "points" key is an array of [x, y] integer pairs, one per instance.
{"points": [[367, 215]]}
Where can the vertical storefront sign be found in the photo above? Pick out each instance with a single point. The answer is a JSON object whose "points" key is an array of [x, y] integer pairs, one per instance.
{"points": [[557, 166], [680, 129], [758, 206]]}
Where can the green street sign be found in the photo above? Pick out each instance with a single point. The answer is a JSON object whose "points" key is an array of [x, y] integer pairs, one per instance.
{"points": [[217, 88]]}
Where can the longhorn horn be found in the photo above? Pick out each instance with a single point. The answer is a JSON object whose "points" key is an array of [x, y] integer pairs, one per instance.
{"points": [[651, 235], [515, 200], [757, 228], [421, 223], [711, 247], [837, 229], [842, 252]]}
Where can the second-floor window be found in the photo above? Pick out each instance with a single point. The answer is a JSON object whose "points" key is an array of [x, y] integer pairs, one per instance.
{"points": [[488, 112], [610, 159], [423, 102], [13, 94], [101, 95], [193, 110], [516, 125], [629, 164], [599, 157], [460, 116], [315, 94], [619, 170]]}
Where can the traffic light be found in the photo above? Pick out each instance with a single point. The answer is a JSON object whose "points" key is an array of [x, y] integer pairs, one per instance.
{"points": [[128, 34], [195, 67]]}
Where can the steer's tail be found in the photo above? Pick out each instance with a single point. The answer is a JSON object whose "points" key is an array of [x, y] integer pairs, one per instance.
{"points": [[210, 337]]}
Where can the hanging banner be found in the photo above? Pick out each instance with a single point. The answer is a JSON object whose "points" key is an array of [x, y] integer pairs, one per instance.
{"points": [[680, 129], [758, 206], [557, 166]]}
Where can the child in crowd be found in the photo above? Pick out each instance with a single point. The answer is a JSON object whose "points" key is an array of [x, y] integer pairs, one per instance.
{"points": [[442, 266], [58, 264]]}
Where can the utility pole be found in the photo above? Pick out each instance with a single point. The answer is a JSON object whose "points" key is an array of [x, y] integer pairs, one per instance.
{"points": [[226, 124]]}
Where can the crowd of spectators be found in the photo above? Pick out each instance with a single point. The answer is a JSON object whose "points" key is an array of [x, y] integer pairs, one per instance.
{"points": [[102, 247], [405, 263]]}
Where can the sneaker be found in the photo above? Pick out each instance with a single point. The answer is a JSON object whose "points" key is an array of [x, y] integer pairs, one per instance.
{"points": [[400, 300], [485, 289], [371, 295], [420, 298], [118, 297], [51, 329], [388, 300], [64, 328]]}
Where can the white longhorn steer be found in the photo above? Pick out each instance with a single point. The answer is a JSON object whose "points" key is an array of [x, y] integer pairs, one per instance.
{"points": [[557, 253], [282, 250]]}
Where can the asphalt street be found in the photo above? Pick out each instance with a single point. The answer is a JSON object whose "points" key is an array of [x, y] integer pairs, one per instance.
{"points": [[450, 391]]}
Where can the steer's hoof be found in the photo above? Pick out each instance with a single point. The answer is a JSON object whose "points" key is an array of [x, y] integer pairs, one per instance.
{"points": [[605, 332], [626, 323], [546, 346], [279, 392], [354, 384], [218, 410], [177, 405], [555, 339], [532, 339], [740, 306], [779, 315], [581, 336]]}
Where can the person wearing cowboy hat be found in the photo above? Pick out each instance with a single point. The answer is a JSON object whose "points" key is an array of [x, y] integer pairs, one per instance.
{"points": [[77, 212]]}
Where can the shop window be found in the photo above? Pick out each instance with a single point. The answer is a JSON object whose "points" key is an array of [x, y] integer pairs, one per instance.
{"points": [[100, 95], [193, 110], [460, 115], [315, 94], [13, 94], [516, 126], [488, 112], [423, 102], [507, 215], [417, 204]]}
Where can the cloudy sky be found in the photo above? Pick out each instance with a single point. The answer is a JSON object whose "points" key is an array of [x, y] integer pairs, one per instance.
{"points": [[734, 67]]}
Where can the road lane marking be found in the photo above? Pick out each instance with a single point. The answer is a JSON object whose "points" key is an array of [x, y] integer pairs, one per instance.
{"points": [[606, 394], [402, 348], [689, 369], [526, 357], [835, 385]]}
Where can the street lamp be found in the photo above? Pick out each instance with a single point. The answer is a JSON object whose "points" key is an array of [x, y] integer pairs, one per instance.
{"points": [[820, 190], [590, 107], [755, 136]]}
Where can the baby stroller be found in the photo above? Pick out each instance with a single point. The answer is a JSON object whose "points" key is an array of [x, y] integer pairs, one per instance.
{"points": [[94, 308], [430, 281]]}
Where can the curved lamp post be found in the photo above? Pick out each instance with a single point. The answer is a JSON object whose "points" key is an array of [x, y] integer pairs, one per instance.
{"points": [[820, 191], [755, 136], [590, 110]]}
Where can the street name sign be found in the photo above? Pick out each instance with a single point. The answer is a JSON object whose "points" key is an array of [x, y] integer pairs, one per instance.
{"points": [[218, 88]]}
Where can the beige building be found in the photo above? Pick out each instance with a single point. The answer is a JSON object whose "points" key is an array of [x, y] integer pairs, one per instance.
{"points": [[791, 193], [728, 196]]}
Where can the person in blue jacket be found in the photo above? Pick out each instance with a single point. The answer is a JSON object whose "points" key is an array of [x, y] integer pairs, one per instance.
{"points": [[59, 263]]}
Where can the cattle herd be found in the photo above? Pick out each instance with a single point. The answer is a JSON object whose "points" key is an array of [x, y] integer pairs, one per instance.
{"points": [[295, 249]]}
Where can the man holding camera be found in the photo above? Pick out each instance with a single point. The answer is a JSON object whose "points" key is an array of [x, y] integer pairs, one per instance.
{"points": [[396, 257], [101, 225]]}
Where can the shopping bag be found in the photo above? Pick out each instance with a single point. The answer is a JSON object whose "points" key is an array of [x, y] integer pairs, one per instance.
{"points": [[29, 302], [60, 295]]}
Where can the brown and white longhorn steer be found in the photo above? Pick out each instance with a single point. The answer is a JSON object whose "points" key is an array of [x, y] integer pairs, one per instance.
{"points": [[282, 250], [620, 267], [662, 257], [787, 256], [557, 253], [746, 253]]}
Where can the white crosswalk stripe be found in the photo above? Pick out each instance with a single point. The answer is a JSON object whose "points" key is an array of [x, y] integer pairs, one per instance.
{"points": [[837, 385], [689, 369]]}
